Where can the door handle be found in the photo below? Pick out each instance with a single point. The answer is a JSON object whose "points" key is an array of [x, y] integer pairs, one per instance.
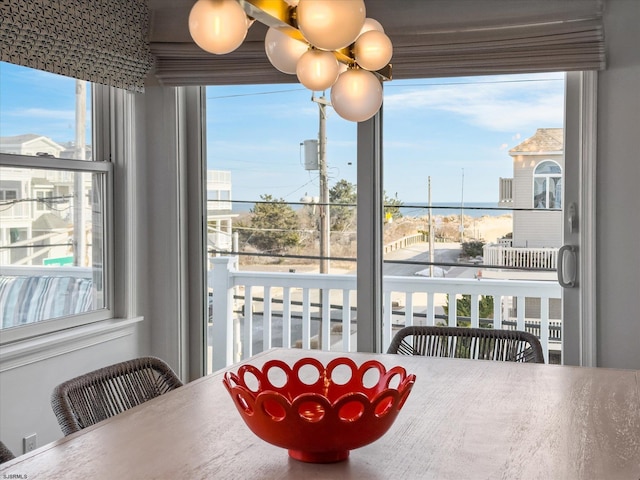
{"points": [[570, 253]]}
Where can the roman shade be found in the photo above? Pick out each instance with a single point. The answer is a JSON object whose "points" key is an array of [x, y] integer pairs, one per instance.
{"points": [[102, 41], [432, 38]]}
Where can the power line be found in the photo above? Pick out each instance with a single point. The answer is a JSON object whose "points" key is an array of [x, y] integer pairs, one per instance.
{"points": [[397, 85], [493, 82], [256, 93]]}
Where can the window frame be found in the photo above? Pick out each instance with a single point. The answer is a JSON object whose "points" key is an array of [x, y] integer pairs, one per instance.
{"points": [[101, 111]]}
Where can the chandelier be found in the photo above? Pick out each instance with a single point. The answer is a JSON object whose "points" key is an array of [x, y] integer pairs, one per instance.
{"points": [[326, 43]]}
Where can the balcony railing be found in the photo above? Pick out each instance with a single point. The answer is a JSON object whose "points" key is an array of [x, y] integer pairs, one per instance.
{"points": [[17, 211], [501, 255], [254, 311]]}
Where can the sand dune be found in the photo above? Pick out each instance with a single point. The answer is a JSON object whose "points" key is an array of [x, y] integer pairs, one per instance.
{"points": [[487, 228], [490, 228]]}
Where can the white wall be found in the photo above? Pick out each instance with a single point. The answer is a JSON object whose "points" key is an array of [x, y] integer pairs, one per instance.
{"points": [[26, 390], [166, 223], [175, 222], [618, 198]]}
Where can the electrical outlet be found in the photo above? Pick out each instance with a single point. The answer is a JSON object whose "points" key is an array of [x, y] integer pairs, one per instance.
{"points": [[30, 442]]}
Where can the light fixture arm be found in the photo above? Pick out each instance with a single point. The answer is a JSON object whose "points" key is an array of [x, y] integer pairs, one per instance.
{"points": [[273, 13], [279, 14]]}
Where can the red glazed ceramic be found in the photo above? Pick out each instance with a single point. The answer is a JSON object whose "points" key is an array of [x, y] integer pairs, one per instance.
{"points": [[317, 415]]}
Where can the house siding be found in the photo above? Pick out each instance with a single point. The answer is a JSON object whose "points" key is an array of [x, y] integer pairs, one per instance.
{"points": [[538, 228]]}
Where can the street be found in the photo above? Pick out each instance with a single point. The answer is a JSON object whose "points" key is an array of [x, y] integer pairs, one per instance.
{"points": [[446, 253]]}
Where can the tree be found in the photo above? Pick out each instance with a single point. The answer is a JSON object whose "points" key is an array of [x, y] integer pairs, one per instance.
{"points": [[463, 307], [342, 217], [392, 206], [274, 225]]}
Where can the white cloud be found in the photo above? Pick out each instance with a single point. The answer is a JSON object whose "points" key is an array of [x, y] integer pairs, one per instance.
{"points": [[43, 113], [512, 105]]}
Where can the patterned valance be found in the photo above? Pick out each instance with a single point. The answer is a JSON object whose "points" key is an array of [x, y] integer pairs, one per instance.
{"points": [[102, 41]]}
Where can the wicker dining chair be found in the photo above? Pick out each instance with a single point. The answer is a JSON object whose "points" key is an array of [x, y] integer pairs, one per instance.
{"points": [[5, 453], [462, 342], [98, 395]]}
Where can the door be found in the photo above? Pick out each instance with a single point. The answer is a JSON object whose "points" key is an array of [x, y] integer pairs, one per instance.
{"points": [[462, 153]]}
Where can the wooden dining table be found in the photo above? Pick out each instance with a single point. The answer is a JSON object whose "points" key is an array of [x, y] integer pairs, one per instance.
{"points": [[464, 419]]}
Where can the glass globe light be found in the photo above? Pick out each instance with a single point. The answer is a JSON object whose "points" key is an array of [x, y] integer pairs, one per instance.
{"points": [[330, 24], [371, 24], [317, 70], [373, 50], [218, 26], [357, 95], [283, 51]]}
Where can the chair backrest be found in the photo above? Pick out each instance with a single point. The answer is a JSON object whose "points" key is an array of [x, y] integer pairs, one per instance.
{"points": [[461, 342], [98, 395], [5, 453]]}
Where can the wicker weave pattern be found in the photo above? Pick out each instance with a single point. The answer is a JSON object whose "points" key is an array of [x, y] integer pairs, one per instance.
{"points": [[461, 342], [5, 453], [98, 395]]}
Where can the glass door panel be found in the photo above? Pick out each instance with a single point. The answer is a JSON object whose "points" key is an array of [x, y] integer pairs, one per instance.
{"points": [[467, 211], [281, 195]]}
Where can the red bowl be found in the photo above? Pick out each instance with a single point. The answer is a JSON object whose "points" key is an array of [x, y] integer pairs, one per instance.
{"points": [[317, 416]]}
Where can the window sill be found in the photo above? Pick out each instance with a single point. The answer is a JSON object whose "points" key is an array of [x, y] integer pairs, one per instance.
{"points": [[40, 348]]}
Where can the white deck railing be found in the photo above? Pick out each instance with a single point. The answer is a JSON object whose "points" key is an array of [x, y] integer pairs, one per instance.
{"points": [[405, 242], [245, 303], [17, 211], [495, 254]]}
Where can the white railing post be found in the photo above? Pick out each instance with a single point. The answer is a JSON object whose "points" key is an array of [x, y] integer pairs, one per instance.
{"points": [[544, 327], [222, 286], [387, 320], [346, 321]]}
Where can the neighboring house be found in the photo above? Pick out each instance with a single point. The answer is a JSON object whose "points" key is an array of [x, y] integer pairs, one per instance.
{"points": [[535, 193], [219, 216], [31, 144], [538, 165], [31, 201], [536, 187]]}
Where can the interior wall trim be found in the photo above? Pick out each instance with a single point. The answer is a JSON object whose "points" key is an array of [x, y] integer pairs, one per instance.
{"points": [[42, 348]]}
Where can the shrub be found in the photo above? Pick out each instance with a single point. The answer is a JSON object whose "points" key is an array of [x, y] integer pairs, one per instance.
{"points": [[473, 248]]}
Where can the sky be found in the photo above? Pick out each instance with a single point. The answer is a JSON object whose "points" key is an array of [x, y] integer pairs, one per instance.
{"points": [[458, 131], [455, 130], [33, 101]]}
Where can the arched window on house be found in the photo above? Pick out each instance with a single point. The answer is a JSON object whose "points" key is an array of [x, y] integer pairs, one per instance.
{"points": [[547, 185]]}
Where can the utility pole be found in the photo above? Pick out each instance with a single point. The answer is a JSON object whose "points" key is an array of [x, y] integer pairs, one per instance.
{"points": [[325, 225], [462, 211], [431, 253]]}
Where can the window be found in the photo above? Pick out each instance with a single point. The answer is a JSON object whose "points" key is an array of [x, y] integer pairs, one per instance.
{"points": [[547, 185], [8, 195], [43, 200], [53, 206]]}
